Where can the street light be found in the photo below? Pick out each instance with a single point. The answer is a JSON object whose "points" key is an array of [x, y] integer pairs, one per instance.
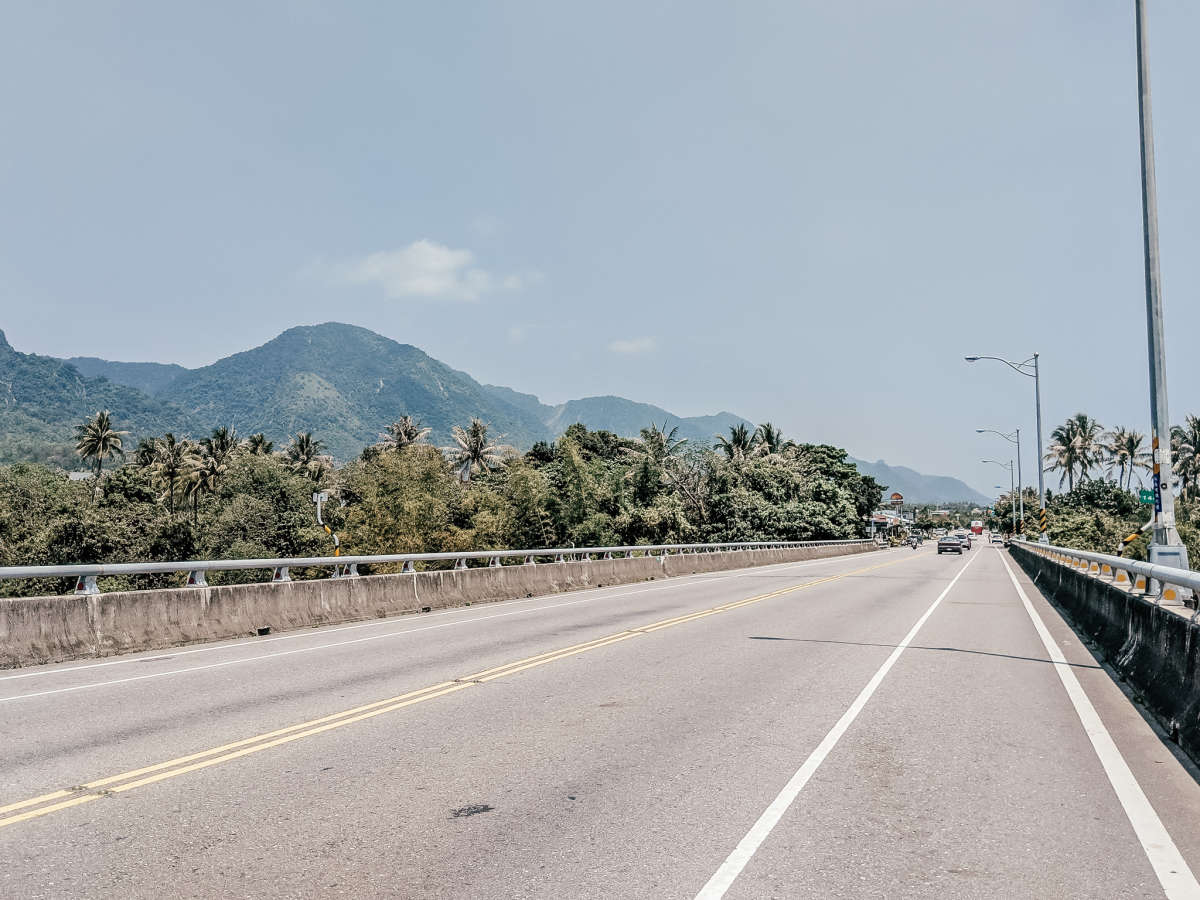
{"points": [[1014, 438], [1024, 368], [1008, 465], [1166, 548]]}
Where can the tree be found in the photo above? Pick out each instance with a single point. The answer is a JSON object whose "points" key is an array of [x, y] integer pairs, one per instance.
{"points": [[204, 477], [1075, 449], [1185, 453], [303, 451], [259, 445], [740, 443], [473, 451], [221, 444], [97, 440], [404, 432], [174, 459], [769, 439], [1125, 452]]}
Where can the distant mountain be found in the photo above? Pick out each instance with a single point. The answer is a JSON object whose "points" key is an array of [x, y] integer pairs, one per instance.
{"points": [[148, 377], [918, 488], [618, 415], [42, 399], [345, 384]]}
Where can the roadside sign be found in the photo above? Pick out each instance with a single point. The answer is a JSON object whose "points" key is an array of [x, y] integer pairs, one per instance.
{"points": [[1145, 496]]}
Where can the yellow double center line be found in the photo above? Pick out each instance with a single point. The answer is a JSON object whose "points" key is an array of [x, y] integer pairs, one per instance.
{"points": [[66, 798]]}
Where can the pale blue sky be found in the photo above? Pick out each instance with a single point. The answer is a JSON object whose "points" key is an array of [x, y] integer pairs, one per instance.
{"points": [[803, 212]]}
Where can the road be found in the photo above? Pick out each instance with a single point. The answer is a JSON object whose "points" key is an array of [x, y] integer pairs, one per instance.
{"points": [[886, 725]]}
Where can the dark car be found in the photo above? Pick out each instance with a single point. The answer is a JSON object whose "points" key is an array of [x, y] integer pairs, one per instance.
{"points": [[950, 543]]}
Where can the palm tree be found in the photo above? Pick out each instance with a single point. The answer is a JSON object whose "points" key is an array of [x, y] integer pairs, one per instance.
{"points": [[473, 451], [97, 440], [1075, 448], [222, 444], [658, 445], [740, 443], [173, 460], [204, 477], [303, 450], [144, 455], [769, 439], [259, 445], [1125, 452], [404, 432], [1185, 453]]}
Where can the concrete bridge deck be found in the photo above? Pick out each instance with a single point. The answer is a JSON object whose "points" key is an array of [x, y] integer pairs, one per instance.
{"points": [[890, 725]]}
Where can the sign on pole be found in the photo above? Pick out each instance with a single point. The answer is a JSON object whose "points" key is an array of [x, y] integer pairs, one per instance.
{"points": [[1145, 496]]}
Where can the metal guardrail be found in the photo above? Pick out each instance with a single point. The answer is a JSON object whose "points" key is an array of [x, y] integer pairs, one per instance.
{"points": [[347, 566], [1151, 581]]}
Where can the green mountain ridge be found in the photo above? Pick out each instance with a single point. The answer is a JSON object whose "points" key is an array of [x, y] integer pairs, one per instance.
{"points": [[42, 399], [342, 382]]}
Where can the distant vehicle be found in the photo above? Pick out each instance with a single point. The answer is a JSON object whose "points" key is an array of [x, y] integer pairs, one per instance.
{"points": [[996, 539], [977, 526], [965, 537], [950, 543]]}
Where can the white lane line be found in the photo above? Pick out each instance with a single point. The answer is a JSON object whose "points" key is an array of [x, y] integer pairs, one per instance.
{"points": [[724, 877], [673, 583], [1172, 869]]}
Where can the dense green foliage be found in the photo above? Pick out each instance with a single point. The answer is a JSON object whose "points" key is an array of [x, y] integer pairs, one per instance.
{"points": [[222, 498], [42, 400]]}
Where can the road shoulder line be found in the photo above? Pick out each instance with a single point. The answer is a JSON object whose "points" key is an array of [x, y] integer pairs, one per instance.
{"points": [[1169, 866]]}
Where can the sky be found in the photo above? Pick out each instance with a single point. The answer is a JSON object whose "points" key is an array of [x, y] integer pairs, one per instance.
{"points": [[799, 212]]}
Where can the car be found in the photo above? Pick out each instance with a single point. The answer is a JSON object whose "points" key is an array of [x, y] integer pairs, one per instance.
{"points": [[996, 539], [965, 537], [950, 543]]}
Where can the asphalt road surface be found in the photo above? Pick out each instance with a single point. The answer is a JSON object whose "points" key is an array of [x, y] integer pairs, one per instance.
{"points": [[897, 724]]}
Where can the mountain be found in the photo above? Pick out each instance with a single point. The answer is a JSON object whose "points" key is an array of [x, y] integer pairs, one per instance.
{"points": [[42, 399], [618, 415], [148, 377], [918, 488], [345, 384], [342, 382]]}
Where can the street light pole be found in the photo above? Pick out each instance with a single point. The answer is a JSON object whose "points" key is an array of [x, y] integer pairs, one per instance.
{"points": [[1020, 481], [1166, 548], [1023, 369], [1012, 494]]}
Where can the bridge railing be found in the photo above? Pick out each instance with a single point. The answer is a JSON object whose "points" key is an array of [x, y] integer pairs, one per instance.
{"points": [[86, 575], [1151, 581]]}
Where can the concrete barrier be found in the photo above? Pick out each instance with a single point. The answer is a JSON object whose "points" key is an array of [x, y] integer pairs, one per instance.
{"points": [[37, 630], [1154, 648]]}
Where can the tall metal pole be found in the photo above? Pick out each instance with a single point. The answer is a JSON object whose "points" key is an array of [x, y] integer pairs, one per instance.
{"points": [[1041, 462], [1166, 546], [1011, 496], [1020, 486]]}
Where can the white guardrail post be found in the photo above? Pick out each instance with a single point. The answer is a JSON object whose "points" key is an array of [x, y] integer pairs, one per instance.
{"points": [[1162, 584], [197, 571]]}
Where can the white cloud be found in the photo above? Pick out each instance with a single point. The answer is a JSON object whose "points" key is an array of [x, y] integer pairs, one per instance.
{"points": [[633, 345], [425, 268]]}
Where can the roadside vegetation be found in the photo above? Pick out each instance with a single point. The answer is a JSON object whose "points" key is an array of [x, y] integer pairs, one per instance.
{"points": [[1100, 473], [229, 496]]}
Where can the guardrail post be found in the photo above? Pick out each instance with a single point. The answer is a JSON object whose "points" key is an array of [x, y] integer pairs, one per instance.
{"points": [[530, 561], [196, 578], [494, 562], [608, 554], [460, 563], [352, 570], [558, 558], [86, 584], [280, 574], [408, 568]]}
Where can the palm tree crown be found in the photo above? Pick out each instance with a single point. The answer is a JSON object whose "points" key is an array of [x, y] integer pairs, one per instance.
{"points": [[404, 432], [97, 440], [473, 451], [740, 443], [1075, 449]]}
